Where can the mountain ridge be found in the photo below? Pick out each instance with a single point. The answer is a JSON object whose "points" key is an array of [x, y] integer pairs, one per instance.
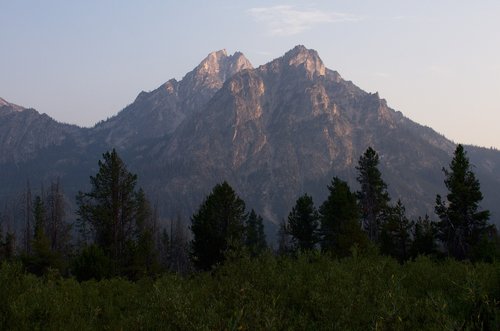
{"points": [[274, 132]]}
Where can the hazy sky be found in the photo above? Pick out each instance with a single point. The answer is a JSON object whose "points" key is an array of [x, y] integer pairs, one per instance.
{"points": [[436, 61]]}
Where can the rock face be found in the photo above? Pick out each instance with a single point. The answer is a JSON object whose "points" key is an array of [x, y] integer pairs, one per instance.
{"points": [[24, 132], [274, 132], [158, 113], [286, 128]]}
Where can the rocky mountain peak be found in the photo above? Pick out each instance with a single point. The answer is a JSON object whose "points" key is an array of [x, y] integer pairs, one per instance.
{"points": [[212, 63], [218, 66], [309, 59]]}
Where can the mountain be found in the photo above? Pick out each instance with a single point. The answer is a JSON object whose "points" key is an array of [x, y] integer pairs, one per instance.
{"points": [[159, 112], [274, 132], [286, 128], [24, 132]]}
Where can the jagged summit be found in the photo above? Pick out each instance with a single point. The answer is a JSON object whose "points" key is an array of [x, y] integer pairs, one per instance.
{"points": [[298, 58], [213, 71], [213, 62], [307, 58], [159, 112]]}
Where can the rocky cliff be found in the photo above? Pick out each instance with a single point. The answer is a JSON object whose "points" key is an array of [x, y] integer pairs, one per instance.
{"points": [[274, 132]]}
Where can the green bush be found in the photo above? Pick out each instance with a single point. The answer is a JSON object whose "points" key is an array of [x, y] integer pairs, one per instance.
{"points": [[310, 292]]}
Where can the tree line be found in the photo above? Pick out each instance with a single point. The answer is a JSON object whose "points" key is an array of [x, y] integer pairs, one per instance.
{"points": [[368, 218], [119, 233], [362, 220]]}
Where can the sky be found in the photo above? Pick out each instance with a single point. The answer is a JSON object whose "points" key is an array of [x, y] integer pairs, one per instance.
{"points": [[438, 62]]}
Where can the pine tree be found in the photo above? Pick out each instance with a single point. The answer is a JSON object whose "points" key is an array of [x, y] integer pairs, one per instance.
{"points": [[41, 257], [462, 225], [284, 240], [395, 237], [255, 238], [178, 250], [164, 249], [142, 246], [372, 196], [28, 219], [340, 228], [303, 222], [58, 231], [424, 237], [111, 213], [217, 227], [39, 218]]}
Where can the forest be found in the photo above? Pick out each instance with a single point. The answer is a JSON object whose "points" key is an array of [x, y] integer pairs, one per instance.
{"points": [[354, 262]]}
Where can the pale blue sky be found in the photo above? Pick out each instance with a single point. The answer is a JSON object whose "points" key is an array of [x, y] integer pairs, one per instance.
{"points": [[80, 62]]}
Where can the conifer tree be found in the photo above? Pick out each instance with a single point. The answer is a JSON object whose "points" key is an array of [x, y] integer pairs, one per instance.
{"points": [[340, 228], [395, 237], [217, 227], [145, 260], [58, 230], [255, 238], [164, 248], [462, 224], [284, 240], [113, 212], [303, 222], [372, 196], [28, 219], [178, 247], [424, 237], [39, 218], [41, 257]]}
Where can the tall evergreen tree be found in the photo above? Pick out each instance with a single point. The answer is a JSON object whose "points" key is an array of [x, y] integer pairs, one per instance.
{"points": [[255, 238], [28, 218], [112, 212], [217, 227], [340, 228], [39, 217], [462, 225], [41, 257], [395, 237], [58, 230], [303, 223], [178, 247], [163, 247], [372, 196], [142, 245]]}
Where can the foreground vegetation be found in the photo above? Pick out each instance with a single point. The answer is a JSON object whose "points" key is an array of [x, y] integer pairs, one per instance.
{"points": [[355, 263], [311, 292]]}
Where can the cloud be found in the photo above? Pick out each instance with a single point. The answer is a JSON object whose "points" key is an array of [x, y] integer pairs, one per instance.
{"points": [[285, 20]]}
